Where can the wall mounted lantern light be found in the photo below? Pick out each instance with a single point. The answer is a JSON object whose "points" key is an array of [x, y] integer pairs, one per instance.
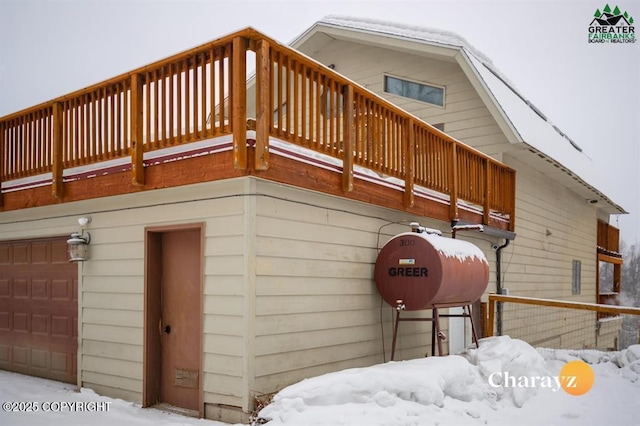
{"points": [[79, 242]]}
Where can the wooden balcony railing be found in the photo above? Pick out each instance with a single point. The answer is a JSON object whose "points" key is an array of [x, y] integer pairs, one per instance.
{"points": [[202, 93], [608, 238], [608, 249]]}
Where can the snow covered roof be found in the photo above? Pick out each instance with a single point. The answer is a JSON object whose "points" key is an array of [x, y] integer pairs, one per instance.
{"points": [[527, 123], [404, 31]]}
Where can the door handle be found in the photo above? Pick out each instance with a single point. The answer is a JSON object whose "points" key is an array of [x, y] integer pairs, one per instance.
{"points": [[167, 329]]}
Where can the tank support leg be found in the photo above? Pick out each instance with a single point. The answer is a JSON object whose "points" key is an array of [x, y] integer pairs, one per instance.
{"points": [[436, 320], [473, 326], [436, 331], [433, 331], [395, 334]]}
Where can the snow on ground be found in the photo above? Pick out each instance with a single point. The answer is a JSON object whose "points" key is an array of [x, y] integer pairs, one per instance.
{"points": [[452, 390], [51, 397], [455, 390]]}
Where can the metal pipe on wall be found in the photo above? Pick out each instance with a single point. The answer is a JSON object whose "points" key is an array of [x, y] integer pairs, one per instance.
{"points": [[499, 285]]}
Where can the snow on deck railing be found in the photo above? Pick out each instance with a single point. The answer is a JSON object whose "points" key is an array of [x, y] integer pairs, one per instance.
{"points": [[202, 93]]}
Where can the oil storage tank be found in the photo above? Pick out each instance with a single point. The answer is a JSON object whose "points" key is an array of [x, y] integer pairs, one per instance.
{"points": [[421, 270]]}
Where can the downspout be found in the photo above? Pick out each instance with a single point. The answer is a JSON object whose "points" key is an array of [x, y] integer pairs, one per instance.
{"points": [[499, 285], [457, 226]]}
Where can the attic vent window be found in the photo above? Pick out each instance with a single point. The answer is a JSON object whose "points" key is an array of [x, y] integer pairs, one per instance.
{"points": [[410, 89], [576, 277]]}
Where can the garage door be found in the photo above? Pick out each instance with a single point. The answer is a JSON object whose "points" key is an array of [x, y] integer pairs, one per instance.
{"points": [[38, 309]]}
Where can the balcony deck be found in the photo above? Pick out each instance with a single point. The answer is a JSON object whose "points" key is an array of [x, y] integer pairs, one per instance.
{"points": [[185, 120]]}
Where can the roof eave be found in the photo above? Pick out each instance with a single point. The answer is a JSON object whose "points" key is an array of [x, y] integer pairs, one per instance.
{"points": [[483, 90], [460, 55], [367, 36], [512, 134]]}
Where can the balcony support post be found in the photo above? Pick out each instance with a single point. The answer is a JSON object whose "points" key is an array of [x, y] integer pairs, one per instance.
{"points": [[239, 102], [511, 203], [491, 318], [349, 134], [453, 182], [137, 125], [409, 161], [263, 104], [57, 168], [486, 208]]}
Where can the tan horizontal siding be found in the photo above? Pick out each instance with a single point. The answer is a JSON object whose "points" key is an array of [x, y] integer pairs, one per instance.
{"points": [[225, 245], [293, 304], [275, 248], [113, 391], [288, 342], [223, 364], [112, 367], [310, 321], [112, 281], [113, 267], [223, 305], [112, 284], [122, 351], [469, 114], [132, 250], [302, 359], [282, 379], [280, 285], [220, 398], [222, 384], [112, 333], [227, 325], [312, 268], [104, 316], [317, 308], [223, 285], [23, 224], [115, 301], [223, 344], [465, 115], [116, 382], [538, 264], [289, 228], [105, 236], [223, 265]]}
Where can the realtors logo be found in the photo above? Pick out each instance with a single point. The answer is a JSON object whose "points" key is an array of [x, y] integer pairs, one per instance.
{"points": [[612, 26]]}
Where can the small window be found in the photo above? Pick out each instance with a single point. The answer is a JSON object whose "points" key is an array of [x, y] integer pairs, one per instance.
{"points": [[576, 277], [439, 126], [410, 89]]}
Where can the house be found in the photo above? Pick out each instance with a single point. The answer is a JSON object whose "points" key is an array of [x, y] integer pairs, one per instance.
{"points": [[561, 208], [231, 238]]}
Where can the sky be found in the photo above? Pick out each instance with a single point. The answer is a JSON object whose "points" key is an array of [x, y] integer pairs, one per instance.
{"points": [[590, 91]]}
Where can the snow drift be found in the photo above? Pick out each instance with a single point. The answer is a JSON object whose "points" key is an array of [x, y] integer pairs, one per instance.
{"points": [[444, 391], [447, 390]]}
